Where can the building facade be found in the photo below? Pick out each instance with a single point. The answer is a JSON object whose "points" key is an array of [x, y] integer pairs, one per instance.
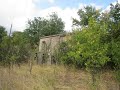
{"points": [[48, 48]]}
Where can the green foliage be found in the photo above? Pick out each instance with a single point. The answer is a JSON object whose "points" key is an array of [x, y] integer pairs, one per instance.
{"points": [[85, 49], [3, 38], [115, 12], [98, 41], [2, 33], [117, 74], [85, 15], [4, 50], [116, 54], [14, 49], [43, 27], [34, 29], [112, 37], [20, 47], [55, 25]]}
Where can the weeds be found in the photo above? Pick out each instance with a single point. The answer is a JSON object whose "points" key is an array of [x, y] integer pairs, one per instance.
{"points": [[52, 78]]}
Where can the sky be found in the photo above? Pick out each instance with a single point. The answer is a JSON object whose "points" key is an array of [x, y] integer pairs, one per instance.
{"points": [[17, 12]]}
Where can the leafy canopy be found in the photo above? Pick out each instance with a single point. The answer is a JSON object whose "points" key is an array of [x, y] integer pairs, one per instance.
{"points": [[44, 27], [85, 14]]}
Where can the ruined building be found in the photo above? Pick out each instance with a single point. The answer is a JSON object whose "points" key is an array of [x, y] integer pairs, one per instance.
{"points": [[48, 46]]}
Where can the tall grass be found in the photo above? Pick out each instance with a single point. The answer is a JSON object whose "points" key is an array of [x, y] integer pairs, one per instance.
{"points": [[53, 78]]}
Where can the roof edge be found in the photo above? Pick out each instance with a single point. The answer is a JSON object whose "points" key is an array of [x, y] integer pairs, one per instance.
{"points": [[64, 34]]}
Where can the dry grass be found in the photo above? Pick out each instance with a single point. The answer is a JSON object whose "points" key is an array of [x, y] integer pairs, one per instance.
{"points": [[52, 78]]}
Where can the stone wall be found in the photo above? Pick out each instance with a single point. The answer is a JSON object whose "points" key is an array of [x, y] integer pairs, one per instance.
{"points": [[47, 47]]}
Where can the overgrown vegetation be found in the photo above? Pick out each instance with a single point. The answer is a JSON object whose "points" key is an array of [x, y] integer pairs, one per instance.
{"points": [[93, 46], [52, 78], [43, 27], [96, 44], [20, 47]]}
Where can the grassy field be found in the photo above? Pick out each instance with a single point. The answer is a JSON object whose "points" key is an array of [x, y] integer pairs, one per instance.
{"points": [[53, 78]]}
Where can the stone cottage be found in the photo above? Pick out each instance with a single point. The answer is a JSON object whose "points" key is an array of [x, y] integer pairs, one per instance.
{"points": [[48, 46]]}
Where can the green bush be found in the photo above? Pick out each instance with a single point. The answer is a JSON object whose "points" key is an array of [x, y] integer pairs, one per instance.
{"points": [[84, 49]]}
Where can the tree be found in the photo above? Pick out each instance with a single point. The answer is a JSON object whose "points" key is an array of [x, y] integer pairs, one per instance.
{"points": [[112, 37], [115, 20], [55, 25], [115, 38], [20, 47], [14, 49], [2, 33], [85, 15], [34, 28], [85, 48], [115, 12], [4, 56], [44, 27]]}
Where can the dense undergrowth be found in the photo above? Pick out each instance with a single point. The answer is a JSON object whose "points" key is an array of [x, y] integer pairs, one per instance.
{"points": [[95, 46]]}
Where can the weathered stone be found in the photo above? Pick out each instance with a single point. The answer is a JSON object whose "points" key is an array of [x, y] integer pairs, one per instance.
{"points": [[47, 47]]}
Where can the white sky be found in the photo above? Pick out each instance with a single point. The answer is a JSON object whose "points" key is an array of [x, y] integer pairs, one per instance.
{"points": [[18, 12]]}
